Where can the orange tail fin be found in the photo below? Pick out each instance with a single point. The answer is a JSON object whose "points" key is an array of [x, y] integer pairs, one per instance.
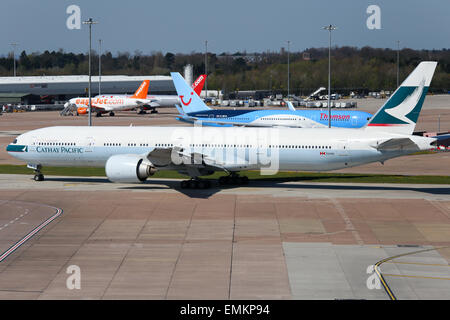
{"points": [[142, 91], [199, 83]]}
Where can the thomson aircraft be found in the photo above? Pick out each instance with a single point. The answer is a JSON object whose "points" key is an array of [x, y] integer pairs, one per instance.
{"points": [[139, 101], [198, 111], [133, 154]]}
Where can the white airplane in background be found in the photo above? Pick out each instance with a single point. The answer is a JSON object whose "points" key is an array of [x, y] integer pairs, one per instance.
{"points": [[132, 154], [140, 100], [161, 101]]}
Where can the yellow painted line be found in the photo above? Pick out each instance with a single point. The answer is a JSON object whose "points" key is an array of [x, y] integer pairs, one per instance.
{"points": [[420, 264], [380, 276], [419, 277]]}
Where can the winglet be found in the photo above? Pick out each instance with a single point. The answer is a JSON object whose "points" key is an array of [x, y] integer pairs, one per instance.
{"points": [[290, 106]]}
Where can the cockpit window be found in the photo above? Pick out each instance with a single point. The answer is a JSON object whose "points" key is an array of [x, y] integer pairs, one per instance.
{"points": [[15, 141]]}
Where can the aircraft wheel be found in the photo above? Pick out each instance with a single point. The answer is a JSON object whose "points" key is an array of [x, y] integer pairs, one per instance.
{"points": [[224, 180], [111, 114], [39, 177], [192, 184], [98, 114]]}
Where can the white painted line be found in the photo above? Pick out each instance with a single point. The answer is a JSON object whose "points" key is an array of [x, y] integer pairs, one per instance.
{"points": [[13, 248]]}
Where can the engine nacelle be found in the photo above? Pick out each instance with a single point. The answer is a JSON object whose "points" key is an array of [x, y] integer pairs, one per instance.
{"points": [[128, 168]]}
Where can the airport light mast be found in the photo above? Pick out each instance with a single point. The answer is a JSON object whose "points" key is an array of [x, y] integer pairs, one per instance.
{"points": [[14, 45], [288, 75], [329, 28], [90, 22], [398, 60], [206, 69], [99, 66]]}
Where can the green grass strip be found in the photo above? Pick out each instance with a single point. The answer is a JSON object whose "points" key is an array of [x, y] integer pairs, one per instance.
{"points": [[253, 175]]}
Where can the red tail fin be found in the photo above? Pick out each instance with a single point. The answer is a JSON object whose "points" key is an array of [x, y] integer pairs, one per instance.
{"points": [[199, 83], [142, 91]]}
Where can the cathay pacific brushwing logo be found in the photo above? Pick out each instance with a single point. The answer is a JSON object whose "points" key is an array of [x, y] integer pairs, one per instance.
{"points": [[407, 105], [16, 148]]}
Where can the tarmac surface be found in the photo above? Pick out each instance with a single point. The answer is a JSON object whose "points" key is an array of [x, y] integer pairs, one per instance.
{"points": [[267, 240], [263, 241]]}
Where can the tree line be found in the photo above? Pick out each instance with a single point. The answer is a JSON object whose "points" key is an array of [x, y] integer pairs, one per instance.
{"points": [[363, 69]]}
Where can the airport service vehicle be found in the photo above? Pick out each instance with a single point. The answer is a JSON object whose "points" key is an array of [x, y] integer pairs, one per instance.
{"points": [[193, 111], [139, 101], [133, 154]]}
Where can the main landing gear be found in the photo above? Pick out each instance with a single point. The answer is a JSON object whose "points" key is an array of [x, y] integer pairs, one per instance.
{"points": [[111, 114], [233, 179], [38, 176]]}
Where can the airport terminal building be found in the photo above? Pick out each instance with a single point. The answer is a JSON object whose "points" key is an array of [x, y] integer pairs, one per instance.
{"points": [[51, 89]]}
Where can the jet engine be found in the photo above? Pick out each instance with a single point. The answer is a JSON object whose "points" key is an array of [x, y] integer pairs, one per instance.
{"points": [[82, 110], [129, 168]]}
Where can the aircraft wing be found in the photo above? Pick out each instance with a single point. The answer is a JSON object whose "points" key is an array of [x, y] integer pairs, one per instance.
{"points": [[396, 144], [161, 157], [94, 106]]}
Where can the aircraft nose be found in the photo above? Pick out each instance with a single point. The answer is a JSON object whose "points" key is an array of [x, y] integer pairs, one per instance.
{"points": [[15, 146]]}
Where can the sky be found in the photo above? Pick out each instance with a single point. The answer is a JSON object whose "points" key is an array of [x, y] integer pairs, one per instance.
{"points": [[228, 25]]}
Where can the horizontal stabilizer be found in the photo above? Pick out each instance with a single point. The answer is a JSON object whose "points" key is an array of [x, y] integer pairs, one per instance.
{"points": [[397, 144]]}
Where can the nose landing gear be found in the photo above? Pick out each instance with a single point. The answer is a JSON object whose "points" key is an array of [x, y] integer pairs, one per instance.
{"points": [[38, 176]]}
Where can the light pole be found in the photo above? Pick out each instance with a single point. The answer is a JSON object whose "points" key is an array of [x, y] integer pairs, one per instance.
{"points": [[398, 59], [329, 28], [100, 66], [14, 45], [206, 68], [288, 43], [90, 22]]}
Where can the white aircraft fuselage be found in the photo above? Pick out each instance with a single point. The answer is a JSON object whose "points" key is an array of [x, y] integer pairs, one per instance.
{"points": [[298, 149]]}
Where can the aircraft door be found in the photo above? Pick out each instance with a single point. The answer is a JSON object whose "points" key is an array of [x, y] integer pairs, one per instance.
{"points": [[342, 150], [89, 144]]}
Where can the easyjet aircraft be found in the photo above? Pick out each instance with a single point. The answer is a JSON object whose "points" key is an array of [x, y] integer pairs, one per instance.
{"points": [[139, 101]]}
